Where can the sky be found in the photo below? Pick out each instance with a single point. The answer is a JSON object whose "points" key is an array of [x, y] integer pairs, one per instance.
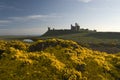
{"points": [[32, 17]]}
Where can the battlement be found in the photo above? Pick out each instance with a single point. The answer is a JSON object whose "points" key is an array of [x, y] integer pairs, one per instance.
{"points": [[72, 30], [75, 28]]}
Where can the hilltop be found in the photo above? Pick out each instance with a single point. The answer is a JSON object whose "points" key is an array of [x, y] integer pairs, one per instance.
{"points": [[102, 41], [55, 59], [73, 30]]}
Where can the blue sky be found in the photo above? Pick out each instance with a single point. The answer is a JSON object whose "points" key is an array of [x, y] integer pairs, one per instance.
{"points": [[32, 17]]}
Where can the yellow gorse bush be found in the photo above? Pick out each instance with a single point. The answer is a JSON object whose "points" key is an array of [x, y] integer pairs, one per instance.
{"points": [[56, 59]]}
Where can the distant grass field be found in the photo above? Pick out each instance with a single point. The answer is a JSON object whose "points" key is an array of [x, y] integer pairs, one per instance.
{"points": [[17, 37], [83, 37], [91, 37], [102, 41]]}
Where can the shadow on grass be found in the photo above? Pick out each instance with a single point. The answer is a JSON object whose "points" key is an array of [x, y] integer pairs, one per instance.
{"points": [[105, 35]]}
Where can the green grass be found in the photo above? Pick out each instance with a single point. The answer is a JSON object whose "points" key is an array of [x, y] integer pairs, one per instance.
{"points": [[102, 41], [94, 40], [90, 37]]}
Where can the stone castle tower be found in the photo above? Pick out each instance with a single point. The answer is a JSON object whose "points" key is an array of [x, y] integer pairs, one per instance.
{"points": [[75, 28], [48, 28]]}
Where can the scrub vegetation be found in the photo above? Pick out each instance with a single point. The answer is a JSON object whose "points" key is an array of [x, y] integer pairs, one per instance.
{"points": [[55, 59]]}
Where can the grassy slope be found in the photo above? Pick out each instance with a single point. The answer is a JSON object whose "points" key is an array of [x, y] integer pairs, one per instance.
{"points": [[102, 41], [56, 59], [89, 37]]}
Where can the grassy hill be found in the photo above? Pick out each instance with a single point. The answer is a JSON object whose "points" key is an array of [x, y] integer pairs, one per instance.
{"points": [[87, 37], [102, 41], [63, 32], [55, 59]]}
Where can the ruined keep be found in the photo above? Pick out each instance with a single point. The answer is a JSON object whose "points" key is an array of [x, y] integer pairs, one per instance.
{"points": [[75, 28]]}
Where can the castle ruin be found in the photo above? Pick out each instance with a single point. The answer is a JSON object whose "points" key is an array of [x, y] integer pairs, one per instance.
{"points": [[73, 28]]}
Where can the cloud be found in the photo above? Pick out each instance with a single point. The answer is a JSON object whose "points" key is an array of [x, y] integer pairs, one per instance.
{"points": [[85, 1], [22, 31], [5, 6], [34, 17], [29, 19], [2, 25], [4, 21], [40, 16]]}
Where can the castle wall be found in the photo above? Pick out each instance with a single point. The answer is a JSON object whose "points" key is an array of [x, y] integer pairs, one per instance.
{"points": [[75, 28]]}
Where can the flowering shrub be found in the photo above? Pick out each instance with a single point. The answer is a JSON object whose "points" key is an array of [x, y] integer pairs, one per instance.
{"points": [[56, 59]]}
